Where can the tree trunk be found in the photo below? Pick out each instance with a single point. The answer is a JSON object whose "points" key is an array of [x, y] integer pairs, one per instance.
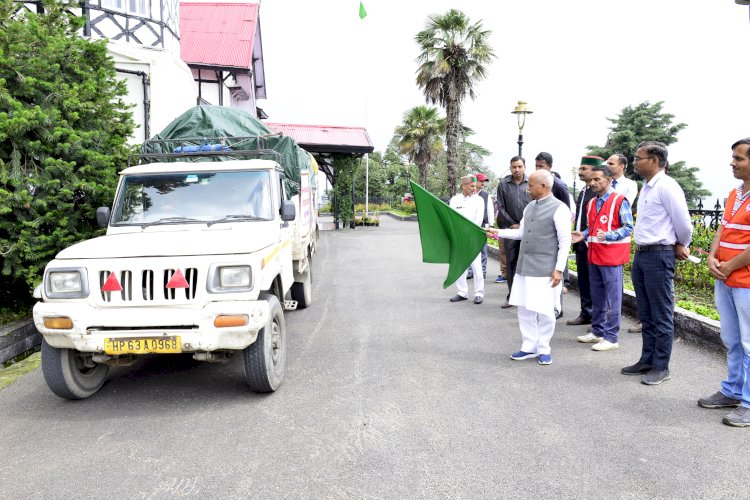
{"points": [[453, 125], [423, 174]]}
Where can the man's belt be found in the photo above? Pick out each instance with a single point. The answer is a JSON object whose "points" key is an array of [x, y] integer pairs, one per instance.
{"points": [[654, 248]]}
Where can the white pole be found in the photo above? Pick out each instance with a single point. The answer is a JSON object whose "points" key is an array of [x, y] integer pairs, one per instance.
{"points": [[367, 184]]}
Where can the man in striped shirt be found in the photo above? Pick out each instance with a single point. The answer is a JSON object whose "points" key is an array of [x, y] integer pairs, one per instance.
{"points": [[729, 263]]}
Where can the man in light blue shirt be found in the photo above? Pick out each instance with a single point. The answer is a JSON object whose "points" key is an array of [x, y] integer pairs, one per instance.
{"points": [[663, 232]]}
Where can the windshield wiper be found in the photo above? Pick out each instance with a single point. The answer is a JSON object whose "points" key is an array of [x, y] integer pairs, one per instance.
{"points": [[239, 217], [167, 220]]}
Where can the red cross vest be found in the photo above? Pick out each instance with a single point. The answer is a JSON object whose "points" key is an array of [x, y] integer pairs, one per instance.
{"points": [[606, 253], [735, 238]]}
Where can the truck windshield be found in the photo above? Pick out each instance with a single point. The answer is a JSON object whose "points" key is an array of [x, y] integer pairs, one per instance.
{"points": [[177, 198]]}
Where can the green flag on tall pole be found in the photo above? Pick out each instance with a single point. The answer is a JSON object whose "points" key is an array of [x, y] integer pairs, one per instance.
{"points": [[362, 11], [447, 236]]}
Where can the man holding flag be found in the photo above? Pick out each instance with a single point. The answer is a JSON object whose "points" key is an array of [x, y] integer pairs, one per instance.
{"points": [[469, 204], [545, 241], [447, 236]]}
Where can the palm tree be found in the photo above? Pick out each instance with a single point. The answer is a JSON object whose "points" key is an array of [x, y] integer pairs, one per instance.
{"points": [[419, 137], [454, 55]]}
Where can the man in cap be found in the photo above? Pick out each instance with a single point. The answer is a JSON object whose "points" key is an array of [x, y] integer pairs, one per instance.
{"points": [[471, 206], [489, 210], [544, 232], [581, 223]]}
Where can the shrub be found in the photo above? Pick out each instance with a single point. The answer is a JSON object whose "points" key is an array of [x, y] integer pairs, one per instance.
{"points": [[63, 137]]}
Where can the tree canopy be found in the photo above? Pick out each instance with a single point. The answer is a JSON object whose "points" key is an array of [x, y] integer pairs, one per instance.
{"points": [[420, 137], [63, 137], [454, 57], [648, 122]]}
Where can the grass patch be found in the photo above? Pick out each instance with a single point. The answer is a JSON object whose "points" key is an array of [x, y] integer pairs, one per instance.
{"points": [[25, 364], [11, 315]]}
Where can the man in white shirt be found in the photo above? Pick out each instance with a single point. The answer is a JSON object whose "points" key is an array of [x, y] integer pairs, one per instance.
{"points": [[617, 164], [545, 242], [470, 205], [663, 233]]}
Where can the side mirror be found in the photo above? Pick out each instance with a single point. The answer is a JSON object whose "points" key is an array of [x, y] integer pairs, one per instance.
{"points": [[102, 216], [288, 211]]}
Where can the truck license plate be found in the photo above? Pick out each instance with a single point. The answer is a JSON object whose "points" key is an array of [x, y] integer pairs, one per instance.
{"points": [[142, 345]]}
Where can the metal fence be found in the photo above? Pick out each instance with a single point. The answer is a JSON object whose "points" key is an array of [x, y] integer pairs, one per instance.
{"points": [[707, 218]]}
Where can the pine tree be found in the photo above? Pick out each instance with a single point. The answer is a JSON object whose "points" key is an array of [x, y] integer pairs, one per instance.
{"points": [[647, 122], [63, 138]]}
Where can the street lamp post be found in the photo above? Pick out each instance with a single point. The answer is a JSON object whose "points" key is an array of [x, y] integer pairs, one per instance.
{"points": [[521, 111]]}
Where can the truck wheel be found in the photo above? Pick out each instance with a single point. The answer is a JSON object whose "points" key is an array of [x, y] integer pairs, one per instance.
{"points": [[265, 359], [302, 290], [67, 374]]}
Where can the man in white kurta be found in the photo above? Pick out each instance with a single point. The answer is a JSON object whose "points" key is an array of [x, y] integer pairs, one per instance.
{"points": [[545, 243], [470, 205]]}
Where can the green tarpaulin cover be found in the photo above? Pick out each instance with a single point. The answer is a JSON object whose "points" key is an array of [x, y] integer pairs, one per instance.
{"points": [[447, 236], [237, 129]]}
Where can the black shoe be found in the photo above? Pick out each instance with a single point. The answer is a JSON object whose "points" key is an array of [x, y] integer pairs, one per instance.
{"points": [[506, 305], [559, 315], [458, 298], [636, 369], [478, 300], [580, 320], [469, 276], [656, 377]]}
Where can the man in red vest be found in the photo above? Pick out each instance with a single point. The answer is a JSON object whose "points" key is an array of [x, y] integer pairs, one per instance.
{"points": [[610, 223], [729, 263]]}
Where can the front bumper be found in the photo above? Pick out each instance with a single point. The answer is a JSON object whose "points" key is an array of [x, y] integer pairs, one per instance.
{"points": [[194, 325]]}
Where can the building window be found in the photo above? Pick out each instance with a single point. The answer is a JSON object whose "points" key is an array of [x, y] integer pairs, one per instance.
{"points": [[138, 7]]}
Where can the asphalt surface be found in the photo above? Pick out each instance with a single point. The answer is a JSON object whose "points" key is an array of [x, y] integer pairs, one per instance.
{"points": [[390, 392]]}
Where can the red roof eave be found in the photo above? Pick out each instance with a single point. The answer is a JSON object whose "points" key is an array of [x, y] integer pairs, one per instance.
{"points": [[218, 34]]}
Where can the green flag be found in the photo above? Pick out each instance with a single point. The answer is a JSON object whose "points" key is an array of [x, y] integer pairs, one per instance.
{"points": [[362, 11], [447, 236]]}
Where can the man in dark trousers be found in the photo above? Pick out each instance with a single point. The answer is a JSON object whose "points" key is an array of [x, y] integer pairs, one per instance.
{"points": [[663, 233], [560, 191], [581, 250], [512, 198]]}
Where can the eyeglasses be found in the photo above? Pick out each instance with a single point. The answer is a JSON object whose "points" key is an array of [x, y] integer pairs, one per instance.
{"points": [[636, 159]]}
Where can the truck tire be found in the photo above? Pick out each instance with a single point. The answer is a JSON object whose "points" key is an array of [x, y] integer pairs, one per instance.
{"points": [[264, 359], [302, 290], [66, 374]]}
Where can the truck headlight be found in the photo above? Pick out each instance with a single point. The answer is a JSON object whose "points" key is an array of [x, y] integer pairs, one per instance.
{"points": [[230, 278], [66, 283]]}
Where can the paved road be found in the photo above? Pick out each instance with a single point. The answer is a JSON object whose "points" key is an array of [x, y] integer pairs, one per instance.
{"points": [[390, 392]]}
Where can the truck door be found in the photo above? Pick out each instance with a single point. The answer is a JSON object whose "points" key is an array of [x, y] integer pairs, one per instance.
{"points": [[285, 236]]}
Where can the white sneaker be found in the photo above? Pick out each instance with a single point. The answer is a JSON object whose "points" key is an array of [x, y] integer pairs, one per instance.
{"points": [[605, 345], [589, 338]]}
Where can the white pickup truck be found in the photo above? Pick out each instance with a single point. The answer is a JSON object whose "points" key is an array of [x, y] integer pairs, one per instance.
{"points": [[197, 258]]}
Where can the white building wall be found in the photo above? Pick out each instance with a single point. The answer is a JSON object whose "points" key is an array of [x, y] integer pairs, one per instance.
{"points": [[172, 90]]}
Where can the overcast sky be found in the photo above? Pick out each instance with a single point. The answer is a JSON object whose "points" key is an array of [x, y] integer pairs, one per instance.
{"points": [[575, 63]]}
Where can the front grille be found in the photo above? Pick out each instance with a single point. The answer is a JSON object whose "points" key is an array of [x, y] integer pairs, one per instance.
{"points": [[153, 286]]}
